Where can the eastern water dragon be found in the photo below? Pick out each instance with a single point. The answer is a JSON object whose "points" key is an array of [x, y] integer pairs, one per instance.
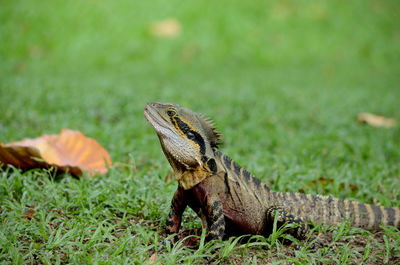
{"points": [[227, 198]]}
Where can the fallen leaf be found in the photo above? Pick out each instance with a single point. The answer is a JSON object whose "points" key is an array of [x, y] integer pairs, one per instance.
{"points": [[376, 120], [69, 151], [152, 258], [29, 214], [169, 27]]}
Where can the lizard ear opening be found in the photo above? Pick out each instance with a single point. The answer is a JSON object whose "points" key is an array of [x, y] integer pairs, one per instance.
{"points": [[212, 165], [213, 136]]}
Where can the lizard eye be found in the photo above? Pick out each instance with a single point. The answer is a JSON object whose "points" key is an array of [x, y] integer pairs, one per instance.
{"points": [[190, 135], [171, 113]]}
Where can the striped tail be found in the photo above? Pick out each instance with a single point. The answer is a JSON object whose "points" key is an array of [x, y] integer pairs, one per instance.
{"points": [[329, 210], [320, 209]]}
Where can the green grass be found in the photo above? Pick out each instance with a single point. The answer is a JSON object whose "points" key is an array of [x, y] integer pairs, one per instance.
{"points": [[284, 82]]}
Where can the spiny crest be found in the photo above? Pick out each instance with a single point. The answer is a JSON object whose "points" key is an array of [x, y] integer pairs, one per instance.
{"points": [[213, 136]]}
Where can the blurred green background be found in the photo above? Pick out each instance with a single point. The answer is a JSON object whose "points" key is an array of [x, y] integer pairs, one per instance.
{"points": [[282, 79]]}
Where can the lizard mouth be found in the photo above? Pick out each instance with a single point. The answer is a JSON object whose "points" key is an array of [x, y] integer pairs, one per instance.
{"points": [[156, 121]]}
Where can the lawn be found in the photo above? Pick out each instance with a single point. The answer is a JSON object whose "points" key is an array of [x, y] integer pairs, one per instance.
{"points": [[283, 80]]}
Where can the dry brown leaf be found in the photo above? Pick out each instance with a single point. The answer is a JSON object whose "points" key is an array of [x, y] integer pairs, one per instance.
{"points": [[68, 151], [152, 258], [376, 120], [29, 214], [169, 27]]}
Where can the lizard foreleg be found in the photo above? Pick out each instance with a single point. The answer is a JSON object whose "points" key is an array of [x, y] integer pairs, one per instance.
{"points": [[178, 205], [215, 218]]}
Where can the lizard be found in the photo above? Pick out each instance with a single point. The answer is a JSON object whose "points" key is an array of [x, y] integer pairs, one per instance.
{"points": [[228, 199]]}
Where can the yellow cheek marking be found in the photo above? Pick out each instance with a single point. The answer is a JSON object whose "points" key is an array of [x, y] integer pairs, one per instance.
{"points": [[195, 145], [177, 127]]}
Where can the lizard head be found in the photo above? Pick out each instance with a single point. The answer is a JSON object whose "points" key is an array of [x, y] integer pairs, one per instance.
{"points": [[187, 139]]}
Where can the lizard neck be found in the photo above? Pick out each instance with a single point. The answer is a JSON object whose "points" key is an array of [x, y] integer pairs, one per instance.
{"points": [[191, 177]]}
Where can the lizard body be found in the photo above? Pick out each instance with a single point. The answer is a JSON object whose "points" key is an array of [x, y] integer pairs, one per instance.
{"points": [[227, 198]]}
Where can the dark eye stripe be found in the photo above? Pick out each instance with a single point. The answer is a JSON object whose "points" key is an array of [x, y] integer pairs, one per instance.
{"points": [[181, 124], [195, 137]]}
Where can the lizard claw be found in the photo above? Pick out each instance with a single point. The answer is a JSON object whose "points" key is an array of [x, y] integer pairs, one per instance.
{"points": [[317, 245]]}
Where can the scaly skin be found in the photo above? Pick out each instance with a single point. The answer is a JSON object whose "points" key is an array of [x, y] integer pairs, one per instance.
{"points": [[228, 199]]}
